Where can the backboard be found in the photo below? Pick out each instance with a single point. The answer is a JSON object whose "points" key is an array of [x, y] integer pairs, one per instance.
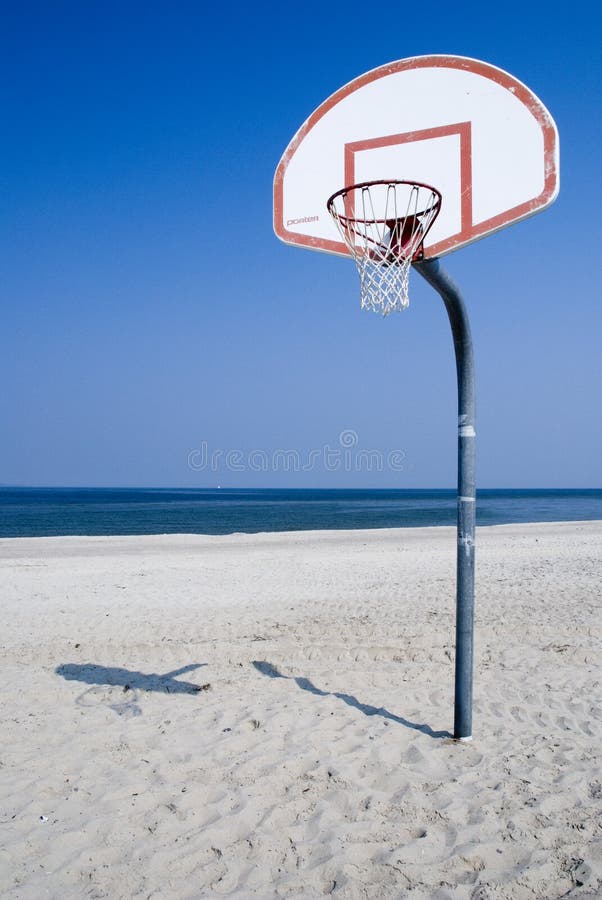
{"points": [[467, 128]]}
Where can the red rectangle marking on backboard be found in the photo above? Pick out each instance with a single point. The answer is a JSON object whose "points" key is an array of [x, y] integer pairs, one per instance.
{"points": [[462, 129]]}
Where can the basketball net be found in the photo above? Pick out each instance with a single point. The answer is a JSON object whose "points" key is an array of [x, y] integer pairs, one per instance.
{"points": [[384, 223]]}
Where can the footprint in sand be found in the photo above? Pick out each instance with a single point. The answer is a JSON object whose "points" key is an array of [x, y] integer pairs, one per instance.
{"points": [[124, 703]]}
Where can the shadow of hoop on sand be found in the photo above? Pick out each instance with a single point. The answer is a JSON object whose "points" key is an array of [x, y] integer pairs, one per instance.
{"points": [[305, 684], [131, 680]]}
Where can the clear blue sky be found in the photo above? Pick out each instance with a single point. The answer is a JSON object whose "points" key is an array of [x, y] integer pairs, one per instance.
{"points": [[147, 307]]}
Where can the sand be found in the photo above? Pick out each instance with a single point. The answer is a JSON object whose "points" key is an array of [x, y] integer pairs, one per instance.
{"points": [[269, 715]]}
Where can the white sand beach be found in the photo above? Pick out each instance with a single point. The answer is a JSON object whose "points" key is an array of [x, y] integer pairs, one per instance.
{"points": [[269, 716]]}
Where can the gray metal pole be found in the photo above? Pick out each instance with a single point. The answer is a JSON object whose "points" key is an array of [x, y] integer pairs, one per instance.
{"points": [[437, 277]]}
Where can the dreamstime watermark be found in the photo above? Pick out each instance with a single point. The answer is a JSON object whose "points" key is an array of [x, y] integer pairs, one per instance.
{"points": [[346, 457]]}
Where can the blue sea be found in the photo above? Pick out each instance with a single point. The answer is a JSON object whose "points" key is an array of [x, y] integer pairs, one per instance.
{"points": [[33, 512]]}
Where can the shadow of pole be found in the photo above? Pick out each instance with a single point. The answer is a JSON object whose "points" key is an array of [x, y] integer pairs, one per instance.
{"points": [[270, 671]]}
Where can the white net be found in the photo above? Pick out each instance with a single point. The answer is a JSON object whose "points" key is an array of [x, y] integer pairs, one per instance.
{"points": [[383, 223]]}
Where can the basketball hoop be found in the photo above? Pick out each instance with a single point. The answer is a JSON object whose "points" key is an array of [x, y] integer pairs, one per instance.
{"points": [[384, 223]]}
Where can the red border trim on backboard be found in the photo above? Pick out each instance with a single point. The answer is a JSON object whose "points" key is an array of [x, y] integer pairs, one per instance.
{"points": [[520, 91]]}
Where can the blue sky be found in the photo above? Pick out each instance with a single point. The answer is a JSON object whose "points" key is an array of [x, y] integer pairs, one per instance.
{"points": [[148, 309]]}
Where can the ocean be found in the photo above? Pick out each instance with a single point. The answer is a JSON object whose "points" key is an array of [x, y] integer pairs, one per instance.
{"points": [[35, 512]]}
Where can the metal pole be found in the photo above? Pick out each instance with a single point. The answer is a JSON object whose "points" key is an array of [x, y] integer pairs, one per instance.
{"points": [[438, 278]]}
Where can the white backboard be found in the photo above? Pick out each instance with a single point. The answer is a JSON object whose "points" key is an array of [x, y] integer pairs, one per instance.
{"points": [[467, 128]]}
